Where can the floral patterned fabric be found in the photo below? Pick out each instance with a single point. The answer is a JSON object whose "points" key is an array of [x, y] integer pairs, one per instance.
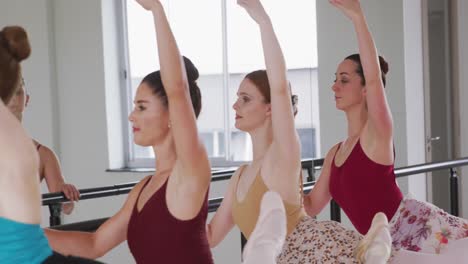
{"points": [[320, 242], [422, 227]]}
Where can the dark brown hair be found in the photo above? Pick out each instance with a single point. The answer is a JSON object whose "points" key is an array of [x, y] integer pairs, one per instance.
{"points": [[14, 47], [383, 67], [260, 79], [154, 81]]}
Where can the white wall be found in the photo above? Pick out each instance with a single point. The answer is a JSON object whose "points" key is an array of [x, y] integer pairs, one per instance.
{"points": [[414, 94], [38, 72]]}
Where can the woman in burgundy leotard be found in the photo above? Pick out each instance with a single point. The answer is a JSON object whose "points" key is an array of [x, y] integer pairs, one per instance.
{"points": [[358, 172], [164, 217]]}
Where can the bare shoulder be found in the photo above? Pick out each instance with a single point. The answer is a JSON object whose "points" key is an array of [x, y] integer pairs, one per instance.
{"points": [[232, 185], [239, 170], [137, 188], [236, 175], [45, 153], [330, 155], [331, 152], [142, 182], [132, 196]]}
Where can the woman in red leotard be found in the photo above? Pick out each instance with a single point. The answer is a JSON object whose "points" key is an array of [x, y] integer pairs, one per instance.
{"points": [[358, 172], [164, 217]]}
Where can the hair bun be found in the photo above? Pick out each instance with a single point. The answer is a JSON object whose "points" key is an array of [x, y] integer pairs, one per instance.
{"points": [[192, 71], [383, 65], [294, 101], [15, 40]]}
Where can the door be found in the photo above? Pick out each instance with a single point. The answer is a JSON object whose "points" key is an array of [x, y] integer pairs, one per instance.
{"points": [[438, 97]]}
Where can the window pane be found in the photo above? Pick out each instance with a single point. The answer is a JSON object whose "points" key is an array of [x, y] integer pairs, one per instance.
{"points": [[295, 26], [143, 58], [199, 37]]}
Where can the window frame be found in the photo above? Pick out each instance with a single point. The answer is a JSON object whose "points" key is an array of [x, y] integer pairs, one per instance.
{"points": [[127, 95]]}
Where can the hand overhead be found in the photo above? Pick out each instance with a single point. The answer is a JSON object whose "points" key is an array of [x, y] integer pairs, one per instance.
{"points": [[255, 9], [148, 4], [351, 8]]}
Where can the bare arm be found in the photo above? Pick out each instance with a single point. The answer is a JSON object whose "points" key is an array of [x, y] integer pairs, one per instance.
{"points": [[222, 222], [19, 164], [189, 148], [284, 132], [380, 117], [53, 175], [94, 245], [320, 195]]}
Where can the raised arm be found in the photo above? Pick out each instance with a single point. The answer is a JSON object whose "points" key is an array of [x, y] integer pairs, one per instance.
{"points": [[380, 117], [284, 131], [189, 148]]}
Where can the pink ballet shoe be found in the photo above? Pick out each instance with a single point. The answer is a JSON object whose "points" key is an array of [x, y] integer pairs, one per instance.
{"points": [[270, 229], [376, 246]]}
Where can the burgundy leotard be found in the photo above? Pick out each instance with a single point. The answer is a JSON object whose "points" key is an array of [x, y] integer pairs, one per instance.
{"points": [[363, 188]]}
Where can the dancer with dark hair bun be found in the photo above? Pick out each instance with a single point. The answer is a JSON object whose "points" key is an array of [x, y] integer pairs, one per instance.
{"points": [[164, 217], [358, 173]]}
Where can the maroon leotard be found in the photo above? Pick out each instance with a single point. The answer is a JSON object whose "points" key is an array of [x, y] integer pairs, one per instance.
{"points": [[363, 188], [155, 236]]}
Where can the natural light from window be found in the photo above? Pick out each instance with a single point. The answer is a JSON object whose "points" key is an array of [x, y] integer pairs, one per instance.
{"points": [[198, 28]]}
